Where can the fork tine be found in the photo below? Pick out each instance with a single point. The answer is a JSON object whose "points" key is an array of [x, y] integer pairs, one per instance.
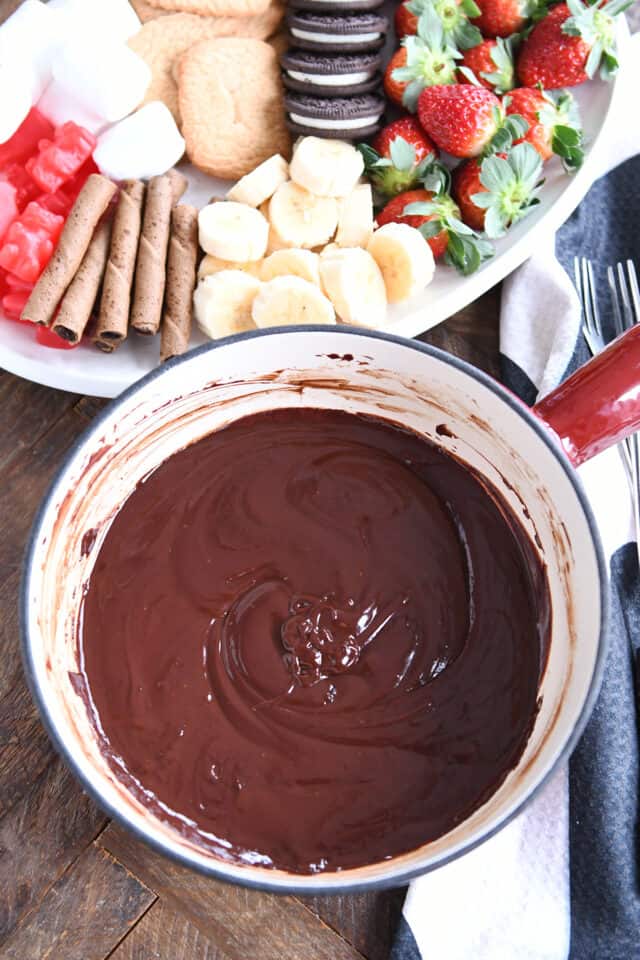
{"points": [[593, 300], [627, 314], [635, 292], [615, 300]]}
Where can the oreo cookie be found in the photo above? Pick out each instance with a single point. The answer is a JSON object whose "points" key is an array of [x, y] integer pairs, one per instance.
{"points": [[337, 32], [334, 6], [338, 118], [330, 76]]}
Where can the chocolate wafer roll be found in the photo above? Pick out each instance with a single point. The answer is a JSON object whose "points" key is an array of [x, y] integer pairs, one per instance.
{"points": [[178, 183], [115, 301], [181, 281], [146, 310], [92, 201], [78, 302]]}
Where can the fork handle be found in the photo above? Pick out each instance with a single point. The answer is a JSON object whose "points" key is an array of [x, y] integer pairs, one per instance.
{"points": [[598, 405]]}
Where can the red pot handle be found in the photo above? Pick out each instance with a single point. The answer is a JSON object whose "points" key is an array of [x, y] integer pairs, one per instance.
{"points": [[600, 403]]}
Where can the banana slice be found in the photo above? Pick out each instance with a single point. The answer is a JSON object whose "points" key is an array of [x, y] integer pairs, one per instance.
{"points": [[233, 231], [210, 264], [405, 259], [292, 263], [353, 282], [355, 221], [261, 183], [290, 300], [300, 219], [222, 303], [327, 168]]}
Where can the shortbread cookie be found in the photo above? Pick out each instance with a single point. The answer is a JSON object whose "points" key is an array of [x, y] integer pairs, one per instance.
{"points": [[231, 103], [213, 8], [146, 12], [161, 42]]}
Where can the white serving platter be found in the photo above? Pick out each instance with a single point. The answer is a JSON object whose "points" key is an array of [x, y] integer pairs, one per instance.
{"points": [[86, 370]]}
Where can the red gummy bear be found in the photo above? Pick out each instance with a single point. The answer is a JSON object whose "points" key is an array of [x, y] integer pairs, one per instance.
{"points": [[29, 242], [58, 160]]}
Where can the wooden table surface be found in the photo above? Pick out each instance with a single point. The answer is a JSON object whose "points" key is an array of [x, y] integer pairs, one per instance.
{"points": [[74, 886]]}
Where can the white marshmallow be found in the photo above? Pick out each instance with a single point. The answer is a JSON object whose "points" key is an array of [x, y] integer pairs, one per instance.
{"points": [[100, 19], [146, 144], [16, 80], [30, 35], [58, 107], [109, 79]]}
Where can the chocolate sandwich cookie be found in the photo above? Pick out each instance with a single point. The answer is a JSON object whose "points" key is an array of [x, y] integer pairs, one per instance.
{"points": [[330, 76], [338, 118], [337, 32], [335, 6]]}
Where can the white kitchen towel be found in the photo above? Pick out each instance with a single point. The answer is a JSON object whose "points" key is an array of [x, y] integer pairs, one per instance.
{"points": [[561, 880]]}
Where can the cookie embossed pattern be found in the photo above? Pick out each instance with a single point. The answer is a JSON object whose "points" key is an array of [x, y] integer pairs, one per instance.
{"points": [[184, 70]]}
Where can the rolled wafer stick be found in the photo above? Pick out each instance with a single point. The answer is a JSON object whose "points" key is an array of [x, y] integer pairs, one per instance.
{"points": [[181, 281], [146, 310], [178, 183], [92, 201], [115, 301], [77, 303]]}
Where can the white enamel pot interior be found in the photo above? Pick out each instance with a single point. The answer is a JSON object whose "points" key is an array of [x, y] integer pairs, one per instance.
{"points": [[400, 380]]}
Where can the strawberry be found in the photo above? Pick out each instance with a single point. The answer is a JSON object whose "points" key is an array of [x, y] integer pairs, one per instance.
{"points": [[502, 18], [554, 124], [497, 191], [461, 120], [489, 64], [428, 58], [394, 88], [436, 216], [406, 22], [570, 43], [400, 157], [453, 16]]}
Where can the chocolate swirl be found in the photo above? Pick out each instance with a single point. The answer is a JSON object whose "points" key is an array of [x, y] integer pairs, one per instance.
{"points": [[314, 641]]}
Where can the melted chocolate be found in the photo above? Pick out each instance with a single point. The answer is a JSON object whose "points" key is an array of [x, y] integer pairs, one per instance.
{"points": [[314, 641]]}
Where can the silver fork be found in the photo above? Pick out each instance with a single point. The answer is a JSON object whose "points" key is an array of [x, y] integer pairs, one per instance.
{"points": [[626, 306], [625, 296]]}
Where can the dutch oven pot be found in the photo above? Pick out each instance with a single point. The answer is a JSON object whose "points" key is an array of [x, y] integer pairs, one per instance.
{"points": [[528, 456]]}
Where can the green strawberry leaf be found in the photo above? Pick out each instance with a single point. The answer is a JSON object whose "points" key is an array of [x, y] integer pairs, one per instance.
{"points": [[511, 187], [469, 75], [466, 35], [466, 254], [470, 8], [420, 208], [370, 156], [403, 154], [430, 229]]}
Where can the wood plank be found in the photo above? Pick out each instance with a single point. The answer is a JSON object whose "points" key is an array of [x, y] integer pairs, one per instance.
{"points": [[28, 412], [165, 934], [23, 482], [39, 838], [89, 407], [84, 916], [243, 923], [472, 334], [6, 9], [25, 749], [367, 920]]}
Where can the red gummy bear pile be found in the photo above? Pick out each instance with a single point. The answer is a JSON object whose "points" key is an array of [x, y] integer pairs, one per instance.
{"points": [[42, 170]]}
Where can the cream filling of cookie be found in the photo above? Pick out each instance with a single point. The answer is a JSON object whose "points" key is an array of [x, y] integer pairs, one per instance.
{"points": [[334, 37], [329, 80], [326, 124]]}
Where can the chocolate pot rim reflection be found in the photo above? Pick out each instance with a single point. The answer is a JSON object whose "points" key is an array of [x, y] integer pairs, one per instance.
{"points": [[400, 873]]}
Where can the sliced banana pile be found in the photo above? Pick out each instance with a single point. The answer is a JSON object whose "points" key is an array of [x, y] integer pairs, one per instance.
{"points": [[297, 243]]}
